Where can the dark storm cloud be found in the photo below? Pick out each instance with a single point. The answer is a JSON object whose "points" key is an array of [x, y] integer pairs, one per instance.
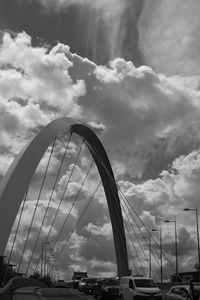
{"points": [[37, 20], [76, 24]]}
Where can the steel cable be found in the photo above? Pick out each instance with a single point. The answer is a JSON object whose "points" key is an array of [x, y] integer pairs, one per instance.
{"points": [[116, 186], [132, 241], [74, 228], [62, 197], [17, 228], [36, 206], [50, 198], [66, 219]]}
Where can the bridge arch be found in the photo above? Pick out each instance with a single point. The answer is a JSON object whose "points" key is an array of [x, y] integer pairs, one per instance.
{"points": [[16, 181]]}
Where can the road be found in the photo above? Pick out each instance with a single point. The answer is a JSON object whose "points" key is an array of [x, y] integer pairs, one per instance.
{"points": [[70, 294], [48, 293]]}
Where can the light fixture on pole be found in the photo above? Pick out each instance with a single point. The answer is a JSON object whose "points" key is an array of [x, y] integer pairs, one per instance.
{"points": [[161, 268], [149, 238], [42, 257], [46, 261], [176, 247], [197, 224]]}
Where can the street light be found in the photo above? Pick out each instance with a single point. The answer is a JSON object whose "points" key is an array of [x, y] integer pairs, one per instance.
{"points": [[42, 256], [197, 223], [161, 269], [49, 259], [149, 238], [176, 248], [46, 261]]}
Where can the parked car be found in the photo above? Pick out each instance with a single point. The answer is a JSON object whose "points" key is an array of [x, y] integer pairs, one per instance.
{"points": [[182, 292], [107, 288], [139, 288], [89, 285], [81, 284]]}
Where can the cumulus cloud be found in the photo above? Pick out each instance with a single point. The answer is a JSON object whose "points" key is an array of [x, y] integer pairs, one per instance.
{"points": [[25, 74], [139, 115], [164, 198]]}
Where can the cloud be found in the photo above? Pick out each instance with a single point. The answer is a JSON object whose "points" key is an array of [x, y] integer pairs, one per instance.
{"points": [[139, 115], [169, 36], [153, 107], [105, 230], [25, 74], [104, 20]]}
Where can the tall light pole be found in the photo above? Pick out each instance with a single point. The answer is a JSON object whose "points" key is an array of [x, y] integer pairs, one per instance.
{"points": [[197, 223], [50, 258], [161, 268], [149, 238], [46, 261], [176, 248], [42, 257]]}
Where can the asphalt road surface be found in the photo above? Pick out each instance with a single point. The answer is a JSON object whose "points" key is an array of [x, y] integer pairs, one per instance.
{"points": [[47, 293]]}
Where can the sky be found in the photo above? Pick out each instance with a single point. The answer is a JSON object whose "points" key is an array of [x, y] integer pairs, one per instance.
{"points": [[130, 70]]}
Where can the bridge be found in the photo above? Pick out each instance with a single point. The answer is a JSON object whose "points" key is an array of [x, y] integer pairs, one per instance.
{"points": [[47, 177]]}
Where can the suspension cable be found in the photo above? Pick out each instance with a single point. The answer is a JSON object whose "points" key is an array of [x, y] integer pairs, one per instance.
{"points": [[49, 201], [36, 206], [62, 227], [64, 192], [132, 258], [74, 228], [116, 186], [141, 246], [164, 254], [132, 241], [130, 250], [61, 200], [139, 243], [140, 233], [101, 161], [66, 219], [18, 224]]}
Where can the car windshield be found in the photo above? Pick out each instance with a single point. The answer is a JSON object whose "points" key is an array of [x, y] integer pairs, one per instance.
{"points": [[144, 283], [84, 279], [110, 282]]}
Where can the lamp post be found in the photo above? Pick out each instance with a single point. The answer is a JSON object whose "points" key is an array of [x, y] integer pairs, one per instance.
{"points": [[176, 248], [49, 257], [43, 259], [161, 268], [197, 224], [149, 238]]}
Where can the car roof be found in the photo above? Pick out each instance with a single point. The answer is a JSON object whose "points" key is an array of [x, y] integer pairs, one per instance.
{"points": [[107, 278], [135, 277], [185, 286]]}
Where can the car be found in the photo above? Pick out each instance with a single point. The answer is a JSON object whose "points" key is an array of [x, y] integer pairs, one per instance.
{"points": [[81, 284], [22, 288], [25, 293], [107, 288], [38, 293], [133, 288], [89, 285], [182, 292], [60, 283]]}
